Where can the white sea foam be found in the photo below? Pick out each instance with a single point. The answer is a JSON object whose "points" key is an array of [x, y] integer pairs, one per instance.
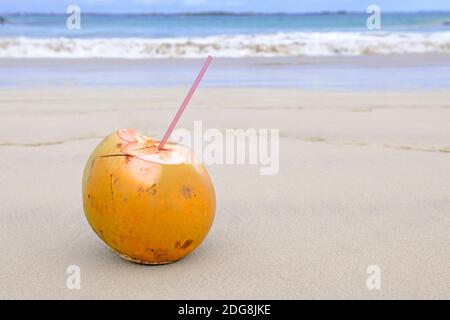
{"points": [[260, 45]]}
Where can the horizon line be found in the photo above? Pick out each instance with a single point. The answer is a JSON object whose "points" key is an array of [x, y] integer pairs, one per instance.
{"points": [[223, 13]]}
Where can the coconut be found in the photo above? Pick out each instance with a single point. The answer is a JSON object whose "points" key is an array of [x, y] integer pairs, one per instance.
{"points": [[150, 205]]}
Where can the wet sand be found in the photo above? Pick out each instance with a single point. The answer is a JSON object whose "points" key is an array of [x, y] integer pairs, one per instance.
{"points": [[344, 73]]}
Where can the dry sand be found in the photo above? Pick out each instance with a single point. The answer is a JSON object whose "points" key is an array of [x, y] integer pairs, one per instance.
{"points": [[364, 180]]}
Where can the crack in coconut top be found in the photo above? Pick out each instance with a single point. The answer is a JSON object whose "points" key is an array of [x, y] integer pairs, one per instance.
{"points": [[145, 148]]}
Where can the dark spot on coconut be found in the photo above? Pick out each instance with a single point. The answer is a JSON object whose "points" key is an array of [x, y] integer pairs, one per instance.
{"points": [[185, 245], [127, 158], [125, 200], [151, 190], [186, 192], [119, 145], [158, 253], [111, 186]]}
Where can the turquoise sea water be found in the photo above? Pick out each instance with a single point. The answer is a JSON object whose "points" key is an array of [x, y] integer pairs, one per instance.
{"points": [[197, 25]]}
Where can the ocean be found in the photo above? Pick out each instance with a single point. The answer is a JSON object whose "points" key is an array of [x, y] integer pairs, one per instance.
{"points": [[294, 44], [222, 35]]}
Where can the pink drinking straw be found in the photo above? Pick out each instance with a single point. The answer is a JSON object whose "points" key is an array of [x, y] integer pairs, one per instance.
{"points": [[185, 103]]}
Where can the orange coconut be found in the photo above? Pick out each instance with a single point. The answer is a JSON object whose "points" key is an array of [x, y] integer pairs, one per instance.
{"points": [[151, 206]]}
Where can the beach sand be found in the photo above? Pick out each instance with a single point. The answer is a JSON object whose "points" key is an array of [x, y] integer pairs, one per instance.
{"points": [[364, 180]]}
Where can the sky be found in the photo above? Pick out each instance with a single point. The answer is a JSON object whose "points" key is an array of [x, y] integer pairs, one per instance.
{"points": [[139, 6]]}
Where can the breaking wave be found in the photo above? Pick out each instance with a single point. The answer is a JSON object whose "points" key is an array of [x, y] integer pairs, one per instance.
{"points": [[260, 45]]}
